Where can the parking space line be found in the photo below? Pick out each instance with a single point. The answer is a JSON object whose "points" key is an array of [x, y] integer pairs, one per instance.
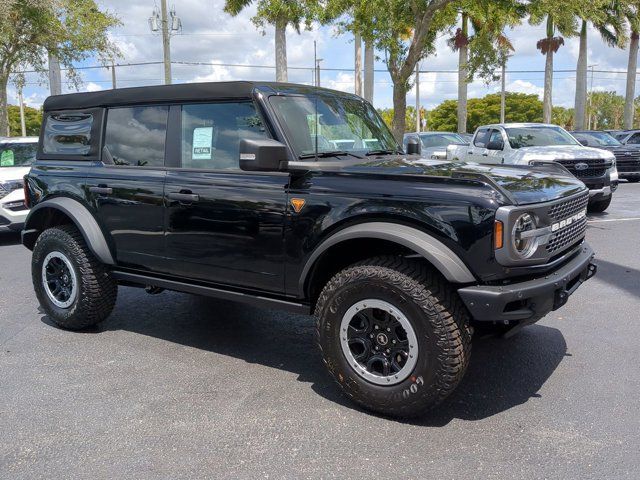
{"points": [[614, 220]]}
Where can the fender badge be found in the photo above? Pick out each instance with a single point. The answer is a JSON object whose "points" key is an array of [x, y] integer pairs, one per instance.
{"points": [[297, 204]]}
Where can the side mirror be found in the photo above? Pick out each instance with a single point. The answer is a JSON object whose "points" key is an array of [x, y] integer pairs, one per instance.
{"points": [[414, 147], [584, 142], [495, 145], [263, 155]]}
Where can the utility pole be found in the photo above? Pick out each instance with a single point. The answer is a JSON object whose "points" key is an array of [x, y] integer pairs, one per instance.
{"points": [[22, 121], [358, 65], [316, 63], [55, 78], [167, 24], [113, 75], [503, 92], [418, 126]]}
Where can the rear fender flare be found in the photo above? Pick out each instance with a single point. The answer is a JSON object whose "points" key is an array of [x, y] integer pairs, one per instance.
{"points": [[82, 219]]}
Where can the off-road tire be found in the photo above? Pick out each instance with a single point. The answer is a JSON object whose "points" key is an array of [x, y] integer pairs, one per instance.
{"points": [[435, 312], [600, 206], [97, 290]]}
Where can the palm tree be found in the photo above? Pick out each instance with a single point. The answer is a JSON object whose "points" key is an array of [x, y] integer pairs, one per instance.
{"points": [[630, 11], [560, 16], [280, 14], [607, 19], [485, 50]]}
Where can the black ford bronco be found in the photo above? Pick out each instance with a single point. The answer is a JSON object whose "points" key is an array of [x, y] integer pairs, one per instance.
{"points": [[299, 198]]}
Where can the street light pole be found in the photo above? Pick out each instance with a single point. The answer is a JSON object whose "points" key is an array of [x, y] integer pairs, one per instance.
{"points": [[590, 97], [22, 120]]}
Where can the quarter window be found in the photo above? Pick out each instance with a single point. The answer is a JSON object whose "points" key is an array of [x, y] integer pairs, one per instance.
{"points": [[211, 133], [68, 134], [136, 136]]}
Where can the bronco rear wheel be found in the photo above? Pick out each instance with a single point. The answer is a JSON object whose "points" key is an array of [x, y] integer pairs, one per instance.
{"points": [[394, 335], [73, 287]]}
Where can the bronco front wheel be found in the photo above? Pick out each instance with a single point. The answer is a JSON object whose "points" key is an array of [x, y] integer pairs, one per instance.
{"points": [[394, 335]]}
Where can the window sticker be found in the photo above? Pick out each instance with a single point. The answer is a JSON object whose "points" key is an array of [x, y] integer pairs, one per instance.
{"points": [[202, 140], [7, 159]]}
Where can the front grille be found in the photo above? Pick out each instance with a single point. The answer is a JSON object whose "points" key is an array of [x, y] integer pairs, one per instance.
{"points": [[567, 236], [628, 161], [574, 232], [595, 167], [563, 210]]}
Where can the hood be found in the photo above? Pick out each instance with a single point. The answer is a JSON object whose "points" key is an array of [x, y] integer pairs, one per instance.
{"points": [[560, 152], [521, 184], [13, 173]]}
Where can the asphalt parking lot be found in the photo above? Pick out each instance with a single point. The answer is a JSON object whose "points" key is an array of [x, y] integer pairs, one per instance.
{"points": [[177, 386]]}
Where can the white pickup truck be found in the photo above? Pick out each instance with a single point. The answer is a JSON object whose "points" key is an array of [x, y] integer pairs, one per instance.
{"points": [[530, 143]]}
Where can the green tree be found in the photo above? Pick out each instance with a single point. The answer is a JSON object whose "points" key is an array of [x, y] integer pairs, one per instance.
{"points": [[520, 107], [605, 110], [280, 14], [607, 19], [32, 117], [560, 16], [563, 117], [387, 115], [405, 30], [72, 30]]}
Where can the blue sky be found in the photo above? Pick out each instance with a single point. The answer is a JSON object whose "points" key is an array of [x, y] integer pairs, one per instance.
{"points": [[211, 36]]}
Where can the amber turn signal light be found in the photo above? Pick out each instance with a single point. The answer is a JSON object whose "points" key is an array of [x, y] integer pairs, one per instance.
{"points": [[498, 234]]}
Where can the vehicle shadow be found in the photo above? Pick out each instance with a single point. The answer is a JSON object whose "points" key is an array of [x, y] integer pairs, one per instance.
{"points": [[620, 276], [503, 373], [9, 238]]}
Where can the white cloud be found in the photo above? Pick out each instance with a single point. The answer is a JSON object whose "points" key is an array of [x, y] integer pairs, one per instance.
{"points": [[92, 87]]}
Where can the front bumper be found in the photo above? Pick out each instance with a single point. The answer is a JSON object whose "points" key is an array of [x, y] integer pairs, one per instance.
{"points": [[532, 299]]}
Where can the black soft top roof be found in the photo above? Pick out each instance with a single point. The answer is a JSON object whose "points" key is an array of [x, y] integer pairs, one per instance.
{"points": [[184, 92]]}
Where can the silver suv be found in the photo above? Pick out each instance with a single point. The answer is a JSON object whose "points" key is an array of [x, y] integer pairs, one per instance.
{"points": [[16, 156]]}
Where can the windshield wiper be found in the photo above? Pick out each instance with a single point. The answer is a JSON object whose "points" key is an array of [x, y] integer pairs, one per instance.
{"points": [[383, 152], [335, 153]]}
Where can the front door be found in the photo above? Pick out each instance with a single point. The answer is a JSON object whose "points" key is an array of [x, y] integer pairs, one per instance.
{"points": [[126, 189], [224, 225]]}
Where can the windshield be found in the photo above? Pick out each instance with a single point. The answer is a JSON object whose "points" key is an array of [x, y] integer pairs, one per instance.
{"points": [[602, 139], [325, 123], [542, 136], [440, 139], [14, 154]]}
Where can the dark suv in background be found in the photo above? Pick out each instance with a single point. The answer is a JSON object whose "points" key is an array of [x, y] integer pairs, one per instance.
{"points": [[627, 156], [299, 198]]}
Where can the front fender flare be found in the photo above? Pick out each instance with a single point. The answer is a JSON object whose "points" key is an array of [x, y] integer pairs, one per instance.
{"points": [[425, 245], [80, 216]]}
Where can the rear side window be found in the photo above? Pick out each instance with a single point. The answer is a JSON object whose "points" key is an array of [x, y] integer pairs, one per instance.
{"points": [[68, 134], [211, 133], [135, 136]]}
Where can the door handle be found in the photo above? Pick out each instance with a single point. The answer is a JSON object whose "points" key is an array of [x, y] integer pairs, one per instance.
{"points": [[183, 197], [470, 152], [101, 190], [485, 154]]}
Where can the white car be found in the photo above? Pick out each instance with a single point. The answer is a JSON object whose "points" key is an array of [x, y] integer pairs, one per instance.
{"points": [[531, 143], [16, 157], [433, 144]]}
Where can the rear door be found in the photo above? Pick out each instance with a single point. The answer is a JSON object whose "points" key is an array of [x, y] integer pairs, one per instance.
{"points": [[224, 225], [478, 147], [126, 188]]}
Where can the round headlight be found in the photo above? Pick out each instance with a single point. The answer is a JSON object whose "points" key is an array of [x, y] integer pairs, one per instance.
{"points": [[525, 246]]}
